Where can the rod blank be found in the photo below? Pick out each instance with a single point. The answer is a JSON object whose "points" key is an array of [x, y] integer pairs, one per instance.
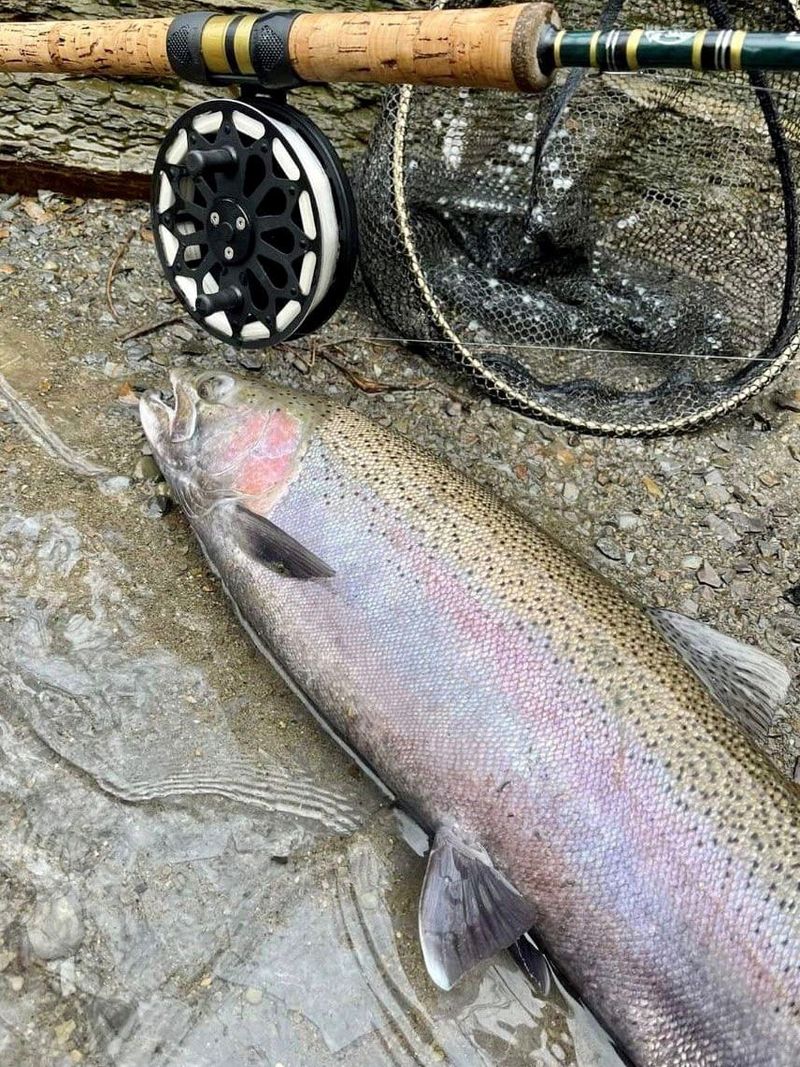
{"points": [[704, 50]]}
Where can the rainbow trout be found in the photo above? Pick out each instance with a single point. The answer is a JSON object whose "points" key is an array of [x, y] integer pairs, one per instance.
{"points": [[572, 756]]}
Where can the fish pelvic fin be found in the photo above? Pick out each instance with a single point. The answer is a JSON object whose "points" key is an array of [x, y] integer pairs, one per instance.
{"points": [[749, 684], [468, 911], [268, 544]]}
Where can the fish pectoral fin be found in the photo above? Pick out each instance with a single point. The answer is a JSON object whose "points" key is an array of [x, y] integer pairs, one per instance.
{"points": [[269, 544], [468, 911], [749, 684]]}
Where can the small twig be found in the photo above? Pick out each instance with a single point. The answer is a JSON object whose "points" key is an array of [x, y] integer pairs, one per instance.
{"points": [[371, 385], [112, 270], [151, 327]]}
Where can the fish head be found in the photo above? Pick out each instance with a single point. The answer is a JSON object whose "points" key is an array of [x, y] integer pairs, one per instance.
{"points": [[227, 439]]}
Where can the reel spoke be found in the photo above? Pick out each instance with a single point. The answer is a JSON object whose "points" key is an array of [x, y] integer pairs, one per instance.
{"points": [[198, 271], [189, 240]]}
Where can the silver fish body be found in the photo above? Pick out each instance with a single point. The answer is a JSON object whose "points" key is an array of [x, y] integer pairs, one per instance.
{"points": [[513, 698]]}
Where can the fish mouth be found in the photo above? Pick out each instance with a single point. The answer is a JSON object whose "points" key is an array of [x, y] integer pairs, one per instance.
{"points": [[162, 423]]}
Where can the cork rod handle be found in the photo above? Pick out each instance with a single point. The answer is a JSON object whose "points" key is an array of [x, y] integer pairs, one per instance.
{"points": [[126, 48], [493, 47]]}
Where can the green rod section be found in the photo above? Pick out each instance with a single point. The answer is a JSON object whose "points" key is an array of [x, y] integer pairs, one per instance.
{"points": [[704, 50]]}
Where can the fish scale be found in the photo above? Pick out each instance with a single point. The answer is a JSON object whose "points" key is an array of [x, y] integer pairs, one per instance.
{"points": [[513, 698]]}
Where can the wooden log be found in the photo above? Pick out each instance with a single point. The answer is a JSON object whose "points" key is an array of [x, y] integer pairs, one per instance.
{"points": [[68, 134]]}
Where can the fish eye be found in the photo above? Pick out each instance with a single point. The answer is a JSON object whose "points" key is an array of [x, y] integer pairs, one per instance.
{"points": [[215, 387]]}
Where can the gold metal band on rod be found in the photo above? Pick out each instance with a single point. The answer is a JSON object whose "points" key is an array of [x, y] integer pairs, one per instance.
{"points": [[593, 48], [697, 49], [557, 48], [212, 44], [737, 45], [632, 48], [241, 44]]}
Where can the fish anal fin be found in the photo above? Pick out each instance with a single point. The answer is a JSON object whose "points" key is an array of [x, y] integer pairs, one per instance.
{"points": [[269, 544], [748, 683], [468, 911], [533, 963]]}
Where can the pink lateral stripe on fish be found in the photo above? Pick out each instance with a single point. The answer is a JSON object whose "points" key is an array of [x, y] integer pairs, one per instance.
{"points": [[578, 761]]}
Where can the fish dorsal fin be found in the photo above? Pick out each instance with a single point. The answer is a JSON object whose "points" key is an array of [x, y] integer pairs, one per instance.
{"points": [[468, 911], [269, 544], [748, 683]]}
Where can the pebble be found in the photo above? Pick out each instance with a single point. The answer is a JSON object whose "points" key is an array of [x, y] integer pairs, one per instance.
{"points": [[610, 549], [55, 929], [137, 350], [692, 563], [453, 408], [769, 549], [626, 520], [67, 977], [118, 483], [16, 982], [722, 529], [253, 995], [570, 492], [792, 594], [789, 401], [707, 576], [717, 494], [251, 358], [64, 1031], [747, 523], [794, 451], [146, 470], [769, 479], [158, 506]]}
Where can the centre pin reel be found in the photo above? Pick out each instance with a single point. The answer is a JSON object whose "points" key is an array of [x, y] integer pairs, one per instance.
{"points": [[254, 221]]}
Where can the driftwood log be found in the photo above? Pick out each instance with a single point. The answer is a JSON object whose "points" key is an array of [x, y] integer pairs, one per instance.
{"points": [[93, 137]]}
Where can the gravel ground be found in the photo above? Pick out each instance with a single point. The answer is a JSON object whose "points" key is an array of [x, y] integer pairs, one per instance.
{"points": [[705, 524]]}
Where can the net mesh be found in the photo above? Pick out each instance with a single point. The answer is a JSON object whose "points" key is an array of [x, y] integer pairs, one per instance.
{"points": [[617, 253]]}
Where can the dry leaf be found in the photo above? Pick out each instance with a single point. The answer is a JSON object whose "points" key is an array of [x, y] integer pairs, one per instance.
{"points": [[127, 395], [652, 487], [6, 268]]}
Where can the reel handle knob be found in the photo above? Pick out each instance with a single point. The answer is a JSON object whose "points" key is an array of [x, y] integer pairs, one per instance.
{"points": [[198, 162], [225, 300]]}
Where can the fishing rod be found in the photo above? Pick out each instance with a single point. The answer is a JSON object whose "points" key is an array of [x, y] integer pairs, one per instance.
{"points": [[253, 214], [516, 47]]}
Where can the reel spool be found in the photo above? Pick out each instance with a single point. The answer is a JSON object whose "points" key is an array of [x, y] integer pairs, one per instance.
{"points": [[254, 221]]}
